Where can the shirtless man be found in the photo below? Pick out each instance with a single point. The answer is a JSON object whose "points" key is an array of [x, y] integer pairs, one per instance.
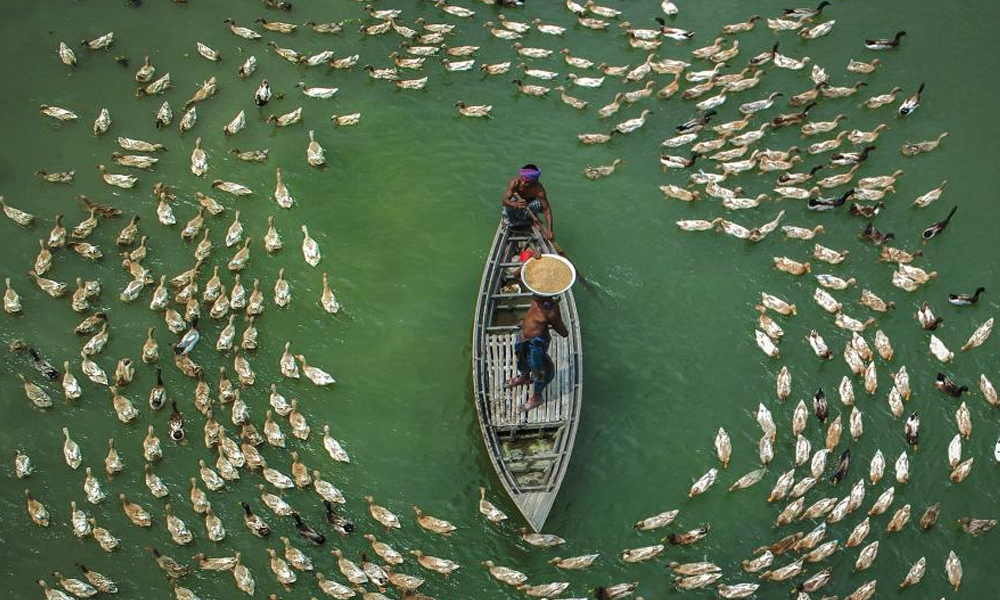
{"points": [[524, 195], [533, 363]]}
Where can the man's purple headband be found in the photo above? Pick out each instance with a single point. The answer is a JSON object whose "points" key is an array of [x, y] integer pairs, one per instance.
{"points": [[530, 173]]}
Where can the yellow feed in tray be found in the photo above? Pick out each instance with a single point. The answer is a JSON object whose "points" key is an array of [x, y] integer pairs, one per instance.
{"points": [[547, 275]]}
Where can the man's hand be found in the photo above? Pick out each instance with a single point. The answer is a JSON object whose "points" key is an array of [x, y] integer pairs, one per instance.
{"points": [[549, 235], [519, 202]]}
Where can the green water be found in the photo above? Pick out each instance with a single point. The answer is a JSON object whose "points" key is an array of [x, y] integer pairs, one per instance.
{"points": [[404, 213]]}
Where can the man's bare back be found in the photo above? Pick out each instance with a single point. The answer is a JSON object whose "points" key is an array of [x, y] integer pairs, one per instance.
{"points": [[543, 313]]}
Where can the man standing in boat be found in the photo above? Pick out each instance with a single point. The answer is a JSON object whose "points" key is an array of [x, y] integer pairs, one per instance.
{"points": [[525, 195], [533, 363]]}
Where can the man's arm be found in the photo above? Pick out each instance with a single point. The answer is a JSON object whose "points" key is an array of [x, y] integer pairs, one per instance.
{"points": [[511, 199], [557, 322]]}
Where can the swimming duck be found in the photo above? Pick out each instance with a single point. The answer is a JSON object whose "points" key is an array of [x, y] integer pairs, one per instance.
{"points": [[382, 515], [937, 228], [22, 465], [193, 227], [593, 173], [117, 180], [475, 110], [214, 529], [318, 376], [158, 86], [979, 336], [314, 152], [282, 291], [248, 340], [152, 451], [156, 486], [530, 90], [238, 123], [975, 527], [258, 156], [433, 524], [913, 149], [66, 55], [179, 531], [884, 43], [207, 52], [881, 100], [817, 31], [199, 160], [135, 513], [282, 572], [346, 120], [433, 563], [856, 136], [962, 471], [926, 318], [875, 236], [58, 113], [102, 123], [812, 128]]}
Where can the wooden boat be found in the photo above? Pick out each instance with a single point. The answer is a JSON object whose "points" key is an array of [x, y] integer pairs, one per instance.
{"points": [[530, 450]]}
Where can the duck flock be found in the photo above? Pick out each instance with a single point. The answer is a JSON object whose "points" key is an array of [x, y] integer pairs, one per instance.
{"points": [[823, 507]]}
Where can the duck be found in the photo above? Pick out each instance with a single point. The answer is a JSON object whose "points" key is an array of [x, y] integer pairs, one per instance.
{"points": [[599, 172], [966, 299], [884, 43], [344, 63], [58, 113], [307, 532], [817, 31], [433, 563], [187, 121], [613, 592], [915, 148], [254, 523], [66, 55], [531, 90], [80, 589], [759, 105], [475, 110], [911, 429], [238, 123], [116, 179], [433, 524], [939, 227], [787, 62], [382, 514], [282, 291], [102, 123], [875, 236], [135, 513], [696, 124], [314, 152], [812, 128], [726, 54], [785, 120], [340, 524], [912, 103], [855, 66], [207, 52], [346, 120], [827, 145], [828, 91], [805, 13], [926, 318], [376, 574], [945, 384], [882, 99]]}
